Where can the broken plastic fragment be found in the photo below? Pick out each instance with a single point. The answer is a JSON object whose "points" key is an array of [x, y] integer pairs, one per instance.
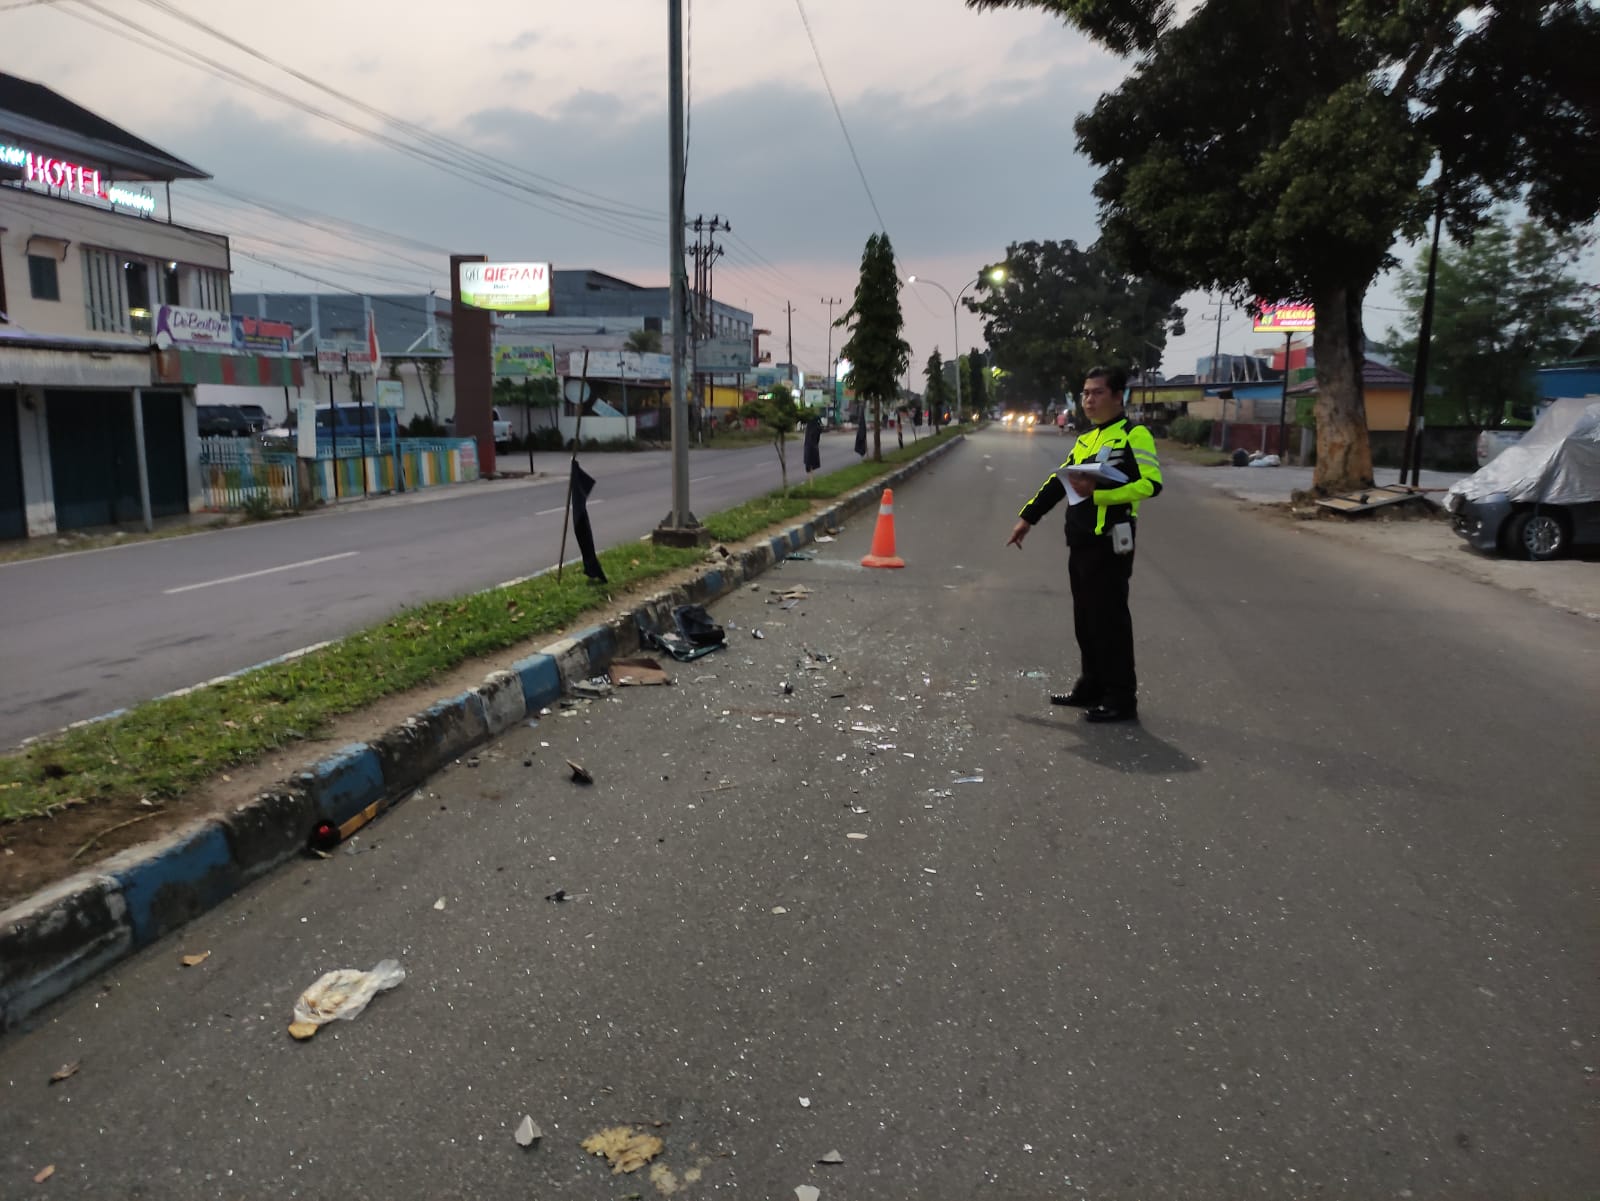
{"points": [[757, 634], [66, 1071], [342, 995], [805, 1102], [528, 1132], [779, 909], [832, 1157], [807, 1192], [580, 774], [559, 895], [195, 960], [968, 780], [439, 904], [626, 1150], [857, 837], [44, 1173]]}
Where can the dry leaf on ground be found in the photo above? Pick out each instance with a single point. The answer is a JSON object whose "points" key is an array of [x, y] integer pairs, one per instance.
{"points": [[44, 1173], [66, 1071], [625, 1148], [196, 960]]}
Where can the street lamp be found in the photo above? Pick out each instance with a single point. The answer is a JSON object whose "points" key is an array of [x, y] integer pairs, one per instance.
{"points": [[995, 275]]}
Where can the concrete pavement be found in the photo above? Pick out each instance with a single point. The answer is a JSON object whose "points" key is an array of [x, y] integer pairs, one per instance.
{"points": [[1304, 933]]}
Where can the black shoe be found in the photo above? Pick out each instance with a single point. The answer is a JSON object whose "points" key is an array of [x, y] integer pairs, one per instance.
{"points": [[1113, 713], [1078, 698]]}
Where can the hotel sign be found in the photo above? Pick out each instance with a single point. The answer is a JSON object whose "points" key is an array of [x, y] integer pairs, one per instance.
{"points": [[73, 178], [506, 287]]}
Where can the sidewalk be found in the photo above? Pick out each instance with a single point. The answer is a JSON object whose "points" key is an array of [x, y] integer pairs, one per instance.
{"points": [[1274, 485]]}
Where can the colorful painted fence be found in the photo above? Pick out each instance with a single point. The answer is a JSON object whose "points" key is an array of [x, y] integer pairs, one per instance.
{"points": [[236, 473]]}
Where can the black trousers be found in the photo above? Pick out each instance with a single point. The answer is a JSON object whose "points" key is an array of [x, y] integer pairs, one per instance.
{"points": [[1101, 620]]}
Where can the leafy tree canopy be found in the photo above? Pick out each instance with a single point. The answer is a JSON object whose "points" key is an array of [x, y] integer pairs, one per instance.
{"points": [[1277, 150], [1062, 310], [1504, 304]]}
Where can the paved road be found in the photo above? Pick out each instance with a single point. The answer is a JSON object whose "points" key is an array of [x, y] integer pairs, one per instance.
{"points": [[88, 633], [1321, 928]]}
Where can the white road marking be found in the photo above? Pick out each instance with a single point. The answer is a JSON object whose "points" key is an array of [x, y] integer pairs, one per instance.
{"points": [[250, 575], [563, 508]]}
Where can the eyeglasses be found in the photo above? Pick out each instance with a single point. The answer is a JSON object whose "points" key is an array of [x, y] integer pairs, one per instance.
{"points": [[1097, 391]]}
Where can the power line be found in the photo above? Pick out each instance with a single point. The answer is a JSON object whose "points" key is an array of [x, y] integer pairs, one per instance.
{"points": [[485, 179], [618, 208], [806, 21]]}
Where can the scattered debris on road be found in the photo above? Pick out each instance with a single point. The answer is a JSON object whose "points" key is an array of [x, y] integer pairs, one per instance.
{"points": [[596, 689], [857, 837], [342, 995], [66, 1071], [626, 1149], [439, 904], [195, 960], [832, 1157], [807, 1192], [805, 1102], [580, 773], [528, 1132], [44, 1173]]}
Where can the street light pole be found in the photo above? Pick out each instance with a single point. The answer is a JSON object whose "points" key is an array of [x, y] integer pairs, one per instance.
{"points": [[997, 274]]}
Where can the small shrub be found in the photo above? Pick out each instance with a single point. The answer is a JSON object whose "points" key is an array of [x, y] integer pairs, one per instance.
{"points": [[258, 507], [423, 426], [1191, 431]]}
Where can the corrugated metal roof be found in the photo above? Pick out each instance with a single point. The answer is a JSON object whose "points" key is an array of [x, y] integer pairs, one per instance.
{"points": [[32, 105]]}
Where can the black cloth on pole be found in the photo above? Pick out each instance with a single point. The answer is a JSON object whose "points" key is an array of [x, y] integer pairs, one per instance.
{"points": [[861, 435], [813, 445], [582, 485]]}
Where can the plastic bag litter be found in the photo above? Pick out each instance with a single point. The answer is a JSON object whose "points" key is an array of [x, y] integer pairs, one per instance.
{"points": [[342, 995]]}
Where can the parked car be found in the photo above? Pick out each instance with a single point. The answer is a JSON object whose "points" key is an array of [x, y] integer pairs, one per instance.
{"points": [[345, 421], [1539, 498], [221, 421], [256, 416], [1491, 443], [502, 429]]}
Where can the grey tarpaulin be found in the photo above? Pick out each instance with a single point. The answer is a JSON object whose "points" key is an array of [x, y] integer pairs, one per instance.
{"points": [[1557, 462]]}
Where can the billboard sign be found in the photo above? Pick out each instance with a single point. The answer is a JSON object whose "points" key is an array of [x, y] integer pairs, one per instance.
{"points": [[506, 287], [723, 356], [1282, 317], [524, 362], [305, 427], [619, 365], [177, 326], [358, 359], [260, 336]]}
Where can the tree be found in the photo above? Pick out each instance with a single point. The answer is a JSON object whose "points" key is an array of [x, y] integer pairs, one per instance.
{"points": [[938, 389], [977, 382], [1277, 150], [1061, 310], [878, 354], [1503, 304], [778, 414], [531, 394], [644, 341]]}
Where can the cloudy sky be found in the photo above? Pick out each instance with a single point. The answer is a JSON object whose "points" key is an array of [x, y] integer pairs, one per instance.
{"points": [[962, 122]]}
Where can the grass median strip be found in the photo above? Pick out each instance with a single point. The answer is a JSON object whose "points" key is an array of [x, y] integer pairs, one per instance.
{"points": [[163, 747]]}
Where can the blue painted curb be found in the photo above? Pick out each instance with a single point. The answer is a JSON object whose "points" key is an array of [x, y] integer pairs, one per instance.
{"points": [[59, 937]]}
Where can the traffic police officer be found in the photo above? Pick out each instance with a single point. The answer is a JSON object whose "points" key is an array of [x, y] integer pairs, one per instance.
{"points": [[1101, 515]]}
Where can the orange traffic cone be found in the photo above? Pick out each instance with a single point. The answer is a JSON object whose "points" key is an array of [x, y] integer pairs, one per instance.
{"points": [[883, 537]]}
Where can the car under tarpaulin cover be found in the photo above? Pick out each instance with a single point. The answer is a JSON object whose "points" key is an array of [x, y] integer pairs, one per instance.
{"points": [[1557, 462]]}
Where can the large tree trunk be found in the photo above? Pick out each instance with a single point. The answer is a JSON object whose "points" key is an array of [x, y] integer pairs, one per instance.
{"points": [[1344, 453]]}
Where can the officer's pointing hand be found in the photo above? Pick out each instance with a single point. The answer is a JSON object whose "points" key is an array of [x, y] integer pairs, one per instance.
{"points": [[1018, 533]]}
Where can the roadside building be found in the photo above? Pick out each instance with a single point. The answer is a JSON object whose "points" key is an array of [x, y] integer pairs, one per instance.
{"points": [[110, 314]]}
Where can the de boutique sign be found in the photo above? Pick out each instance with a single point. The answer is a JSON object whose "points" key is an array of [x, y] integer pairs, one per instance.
{"points": [[208, 329], [506, 287]]}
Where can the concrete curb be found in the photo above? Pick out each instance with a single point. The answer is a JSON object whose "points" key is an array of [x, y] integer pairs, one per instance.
{"points": [[62, 936]]}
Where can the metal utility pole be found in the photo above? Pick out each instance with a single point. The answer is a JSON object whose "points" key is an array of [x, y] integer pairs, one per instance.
{"points": [[788, 311], [680, 527], [1283, 401], [833, 367], [1411, 456], [1216, 354]]}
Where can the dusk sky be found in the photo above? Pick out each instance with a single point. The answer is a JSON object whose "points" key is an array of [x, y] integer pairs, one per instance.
{"points": [[962, 121]]}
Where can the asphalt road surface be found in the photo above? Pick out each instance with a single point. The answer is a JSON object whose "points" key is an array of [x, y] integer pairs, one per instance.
{"points": [[88, 633], [1321, 927]]}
